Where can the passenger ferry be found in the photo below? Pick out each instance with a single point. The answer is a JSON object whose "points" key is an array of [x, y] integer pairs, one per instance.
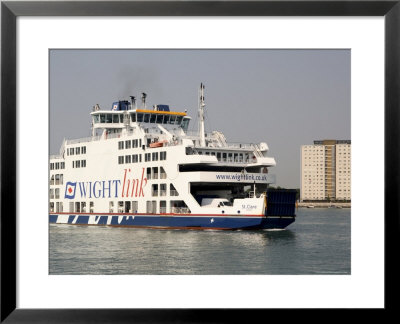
{"points": [[143, 168]]}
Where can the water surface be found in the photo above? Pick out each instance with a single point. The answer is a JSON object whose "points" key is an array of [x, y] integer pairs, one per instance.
{"points": [[317, 243]]}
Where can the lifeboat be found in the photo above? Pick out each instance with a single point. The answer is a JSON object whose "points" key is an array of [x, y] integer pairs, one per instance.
{"points": [[158, 144]]}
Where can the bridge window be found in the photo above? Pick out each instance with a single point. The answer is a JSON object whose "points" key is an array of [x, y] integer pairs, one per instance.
{"points": [[179, 120], [140, 118], [96, 119], [133, 117], [172, 119], [185, 124], [166, 119], [108, 118], [115, 119], [146, 118], [102, 118], [153, 118], [159, 119]]}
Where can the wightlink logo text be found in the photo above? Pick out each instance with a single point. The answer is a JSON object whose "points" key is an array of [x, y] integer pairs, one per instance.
{"points": [[128, 187]]}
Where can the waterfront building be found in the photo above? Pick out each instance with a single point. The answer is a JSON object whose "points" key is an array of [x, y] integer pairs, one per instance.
{"points": [[326, 171]]}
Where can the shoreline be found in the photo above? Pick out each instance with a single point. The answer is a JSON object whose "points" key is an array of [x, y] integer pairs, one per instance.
{"points": [[324, 205]]}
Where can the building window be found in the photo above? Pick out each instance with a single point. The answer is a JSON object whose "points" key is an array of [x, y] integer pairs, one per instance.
{"points": [[121, 145], [127, 159], [120, 159], [163, 156], [127, 144]]}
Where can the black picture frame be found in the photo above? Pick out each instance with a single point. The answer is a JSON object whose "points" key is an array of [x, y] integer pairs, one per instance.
{"points": [[10, 10]]}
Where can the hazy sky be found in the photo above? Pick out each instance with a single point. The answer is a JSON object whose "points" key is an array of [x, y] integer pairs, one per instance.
{"points": [[286, 98]]}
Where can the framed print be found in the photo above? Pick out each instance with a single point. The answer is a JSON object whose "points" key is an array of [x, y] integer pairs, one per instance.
{"points": [[354, 43]]}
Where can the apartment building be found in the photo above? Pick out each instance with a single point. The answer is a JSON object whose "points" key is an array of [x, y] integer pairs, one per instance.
{"points": [[326, 170]]}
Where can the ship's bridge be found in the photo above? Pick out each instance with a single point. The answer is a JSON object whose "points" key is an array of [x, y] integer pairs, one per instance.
{"points": [[121, 116]]}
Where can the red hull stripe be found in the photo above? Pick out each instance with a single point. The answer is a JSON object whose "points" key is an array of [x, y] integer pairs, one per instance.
{"points": [[169, 214], [156, 227]]}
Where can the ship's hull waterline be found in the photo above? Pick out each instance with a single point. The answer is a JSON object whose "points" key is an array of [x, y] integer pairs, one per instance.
{"points": [[192, 222]]}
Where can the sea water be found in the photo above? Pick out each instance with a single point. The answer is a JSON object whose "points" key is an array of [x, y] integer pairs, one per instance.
{"points": [[318, 242]]}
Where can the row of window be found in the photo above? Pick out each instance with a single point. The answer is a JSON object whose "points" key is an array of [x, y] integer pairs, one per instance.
{"points": [[79, 164], [142, 118], [76, 150], [224, 156], [56, 207], [152, 173], [129, 144], [175, 206], [56, 179], [148, 157], [135, 158], [57, 165]]}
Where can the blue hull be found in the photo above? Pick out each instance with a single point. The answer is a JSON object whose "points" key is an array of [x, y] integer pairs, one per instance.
{"points": [[181, 222]]}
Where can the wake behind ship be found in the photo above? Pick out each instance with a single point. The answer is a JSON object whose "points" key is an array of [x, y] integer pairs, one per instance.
{"points": [[143, 168]]}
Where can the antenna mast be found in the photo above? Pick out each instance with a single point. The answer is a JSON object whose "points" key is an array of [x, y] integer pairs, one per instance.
{"points": [[201, 116]]}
